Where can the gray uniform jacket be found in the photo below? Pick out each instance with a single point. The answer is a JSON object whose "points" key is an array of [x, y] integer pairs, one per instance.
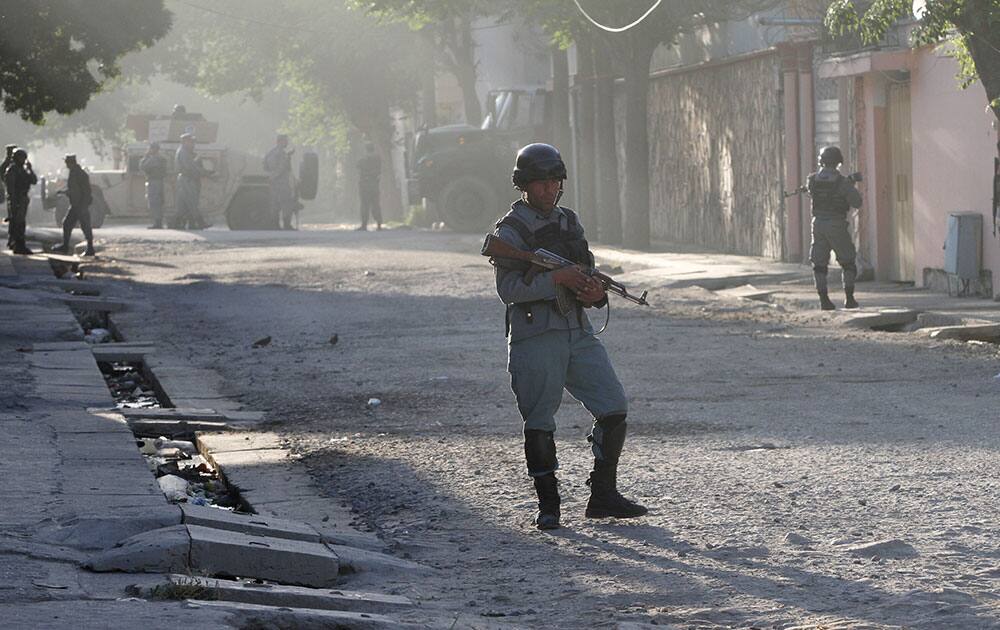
{"points": [[154, 166], [189, 170], [278, 164], [78, 188], [513, 290]]}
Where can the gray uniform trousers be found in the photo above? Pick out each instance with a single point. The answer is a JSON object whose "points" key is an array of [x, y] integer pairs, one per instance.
{"points": [[832, 234], [541, 367], [155, 197], [188, 192]]}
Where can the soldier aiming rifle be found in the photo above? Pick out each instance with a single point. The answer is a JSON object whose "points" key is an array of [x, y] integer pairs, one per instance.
{"points": [[832, 196]]}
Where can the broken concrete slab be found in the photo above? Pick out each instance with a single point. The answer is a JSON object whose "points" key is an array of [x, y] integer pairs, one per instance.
{"points": [[104, 532], [164, 550], [235, 442], [746, 292], [258, 616], [932, 319], [885, 319], [989, 333], [174, 428], [188, 413], [221, 404], [362, 560], [120, 478], [88, 422], [115, 352], [220, 552], [290, 596], [61, 346], [252, 524], [83, 447], [101, 614]]}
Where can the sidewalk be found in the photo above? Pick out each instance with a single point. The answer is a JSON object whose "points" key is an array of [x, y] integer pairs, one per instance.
{"points": [[88, 538], [791, 285], [60, 464]]}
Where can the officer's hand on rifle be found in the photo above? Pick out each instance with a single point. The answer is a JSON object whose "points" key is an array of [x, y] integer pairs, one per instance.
{"points": [[571, 278], [591, 295]]}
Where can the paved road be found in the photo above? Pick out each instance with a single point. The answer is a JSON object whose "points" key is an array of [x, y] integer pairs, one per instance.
{"points": [[771, 447]]}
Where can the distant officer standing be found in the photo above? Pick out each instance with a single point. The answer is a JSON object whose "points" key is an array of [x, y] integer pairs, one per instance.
{"points": [[369, 172], [3, 193], [154, 165], [549, 350], [18, 180], [80, 196], [278, 164], [189, 175], [833, 196]]}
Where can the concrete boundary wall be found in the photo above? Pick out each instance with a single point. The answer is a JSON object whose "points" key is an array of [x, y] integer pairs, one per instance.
{"points": [[717, 155]]}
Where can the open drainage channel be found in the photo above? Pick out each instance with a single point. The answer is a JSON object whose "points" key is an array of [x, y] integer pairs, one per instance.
{"points": [[184, 475]]}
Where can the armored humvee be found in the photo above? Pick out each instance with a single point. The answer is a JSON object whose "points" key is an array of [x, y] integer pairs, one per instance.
{"points": [[464, 171], [237, 191]]}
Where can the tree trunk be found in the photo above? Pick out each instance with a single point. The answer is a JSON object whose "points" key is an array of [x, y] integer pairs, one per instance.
{"points": [[636, 232], [984, 48], [608, 200], [560, 100], [428, 86], [381, 133], [585, 167], [463, 51]]}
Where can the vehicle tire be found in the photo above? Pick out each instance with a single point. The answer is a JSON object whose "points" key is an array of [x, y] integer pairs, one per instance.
{"points": [[250, 209], [308, 176], [98, 207], [469, 204]]}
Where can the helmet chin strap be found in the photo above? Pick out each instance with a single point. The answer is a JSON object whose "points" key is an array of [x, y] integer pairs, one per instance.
{"points": [[559, 196]]}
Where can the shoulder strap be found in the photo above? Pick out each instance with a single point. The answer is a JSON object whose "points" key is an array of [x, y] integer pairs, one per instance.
{"points": [[572, 221], [521, 228]]}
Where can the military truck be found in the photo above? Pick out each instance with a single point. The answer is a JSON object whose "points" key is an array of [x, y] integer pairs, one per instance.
{"points": [[463, 172], [237, 191]]}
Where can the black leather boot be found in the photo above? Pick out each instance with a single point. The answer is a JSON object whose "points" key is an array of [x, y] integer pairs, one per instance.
{"points": [[547, 488], [849, 301], [825, 303], [607, 440], [540, 454]]}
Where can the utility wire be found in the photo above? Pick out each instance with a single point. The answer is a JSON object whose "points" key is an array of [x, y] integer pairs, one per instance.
{"points": [[620, 29]]}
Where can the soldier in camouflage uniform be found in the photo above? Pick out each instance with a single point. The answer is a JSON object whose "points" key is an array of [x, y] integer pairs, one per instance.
{"points": [[833, 195]]}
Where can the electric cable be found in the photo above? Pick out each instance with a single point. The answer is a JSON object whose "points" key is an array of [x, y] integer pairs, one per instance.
{"points": [[620, 29]]}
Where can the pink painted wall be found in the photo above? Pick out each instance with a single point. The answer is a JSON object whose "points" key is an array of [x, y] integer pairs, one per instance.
{"points": [[954, 142]]}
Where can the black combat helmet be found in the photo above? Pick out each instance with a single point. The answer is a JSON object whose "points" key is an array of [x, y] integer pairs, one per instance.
{"points": [[831, 156], [535, 162]]}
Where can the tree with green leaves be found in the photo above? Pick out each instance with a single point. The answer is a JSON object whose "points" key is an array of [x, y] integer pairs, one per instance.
{"points": [[449, 24], [973, 26], [56, 54], [632, 51], [344, 70]]}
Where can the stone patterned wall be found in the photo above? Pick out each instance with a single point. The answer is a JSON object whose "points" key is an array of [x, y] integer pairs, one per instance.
{"points": [[717, 157]]}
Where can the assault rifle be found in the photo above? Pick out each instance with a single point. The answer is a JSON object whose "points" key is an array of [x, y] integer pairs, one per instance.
{"points": [[546, 260], [853, 177]]}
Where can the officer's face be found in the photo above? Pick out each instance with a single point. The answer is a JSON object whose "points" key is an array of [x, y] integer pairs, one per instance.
{"points": [[542, 193]]}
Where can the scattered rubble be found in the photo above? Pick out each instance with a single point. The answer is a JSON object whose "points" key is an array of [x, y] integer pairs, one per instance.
{"points": [[129, 386]]}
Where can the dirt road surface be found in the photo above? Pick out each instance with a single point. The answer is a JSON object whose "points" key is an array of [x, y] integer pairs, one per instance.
{"points": [[773, 449]]}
